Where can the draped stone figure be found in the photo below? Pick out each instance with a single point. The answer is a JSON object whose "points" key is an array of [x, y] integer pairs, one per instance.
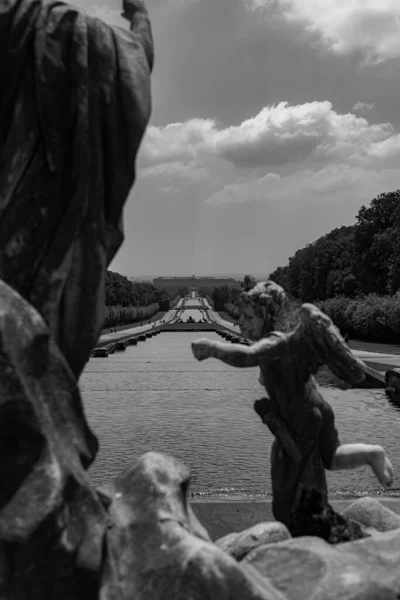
{"points": [[74, 104]]}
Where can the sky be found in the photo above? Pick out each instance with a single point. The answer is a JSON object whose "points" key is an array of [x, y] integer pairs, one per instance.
{"points": [[273, 122]]}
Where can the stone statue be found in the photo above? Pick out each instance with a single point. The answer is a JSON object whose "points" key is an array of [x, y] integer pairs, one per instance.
{"points": [[306, 440], [74, 106]]}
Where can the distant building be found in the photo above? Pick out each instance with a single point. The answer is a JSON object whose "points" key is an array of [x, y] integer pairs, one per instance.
{"points": [[192, 282]]}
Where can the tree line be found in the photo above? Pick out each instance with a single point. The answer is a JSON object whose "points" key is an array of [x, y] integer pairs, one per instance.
{"points": [[127, 301], [351, 273], [356, 260]]}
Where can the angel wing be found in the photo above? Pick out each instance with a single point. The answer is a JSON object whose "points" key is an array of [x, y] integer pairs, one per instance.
{"points": [[323, 344]]}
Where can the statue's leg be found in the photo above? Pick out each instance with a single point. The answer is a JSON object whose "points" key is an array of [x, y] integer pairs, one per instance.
{"points": [[352, 456], [283, 478]]}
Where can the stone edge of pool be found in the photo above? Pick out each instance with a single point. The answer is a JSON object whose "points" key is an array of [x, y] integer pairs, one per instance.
{"points": [[221, 516]]}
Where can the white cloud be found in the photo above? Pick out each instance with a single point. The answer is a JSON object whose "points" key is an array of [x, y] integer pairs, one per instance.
{"points": [[247, 191], [277, 136], [370, 26], [177, 141], [192, 171], [363, 106], [333, 183], [283, 154]]}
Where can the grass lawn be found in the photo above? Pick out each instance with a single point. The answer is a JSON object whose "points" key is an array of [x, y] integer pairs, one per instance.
{"points": [[375, 347], [155, 317]]}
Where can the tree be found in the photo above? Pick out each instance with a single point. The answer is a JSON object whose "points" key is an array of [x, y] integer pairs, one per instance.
{"points": [[376, 240], [183, 291], [350, 285], [220, 297], [363, 258]]}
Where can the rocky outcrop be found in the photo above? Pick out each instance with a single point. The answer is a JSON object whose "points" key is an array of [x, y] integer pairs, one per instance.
{"points": [[156, 548], [371, 513], [238, 545], [309, 568]]}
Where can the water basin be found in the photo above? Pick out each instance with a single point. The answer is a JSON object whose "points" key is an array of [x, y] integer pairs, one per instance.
{"points": [[156, 396]]}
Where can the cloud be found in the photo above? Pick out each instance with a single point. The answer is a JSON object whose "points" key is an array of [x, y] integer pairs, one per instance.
{"points": [[277, 136], [333, 183], [177, 141], [192, 171], [285, 153], [363, 106], [246, 191], [345, 26]]}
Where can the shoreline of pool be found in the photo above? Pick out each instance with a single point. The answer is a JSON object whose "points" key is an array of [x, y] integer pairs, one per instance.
{"points": [[334, 494], [221, 516]]}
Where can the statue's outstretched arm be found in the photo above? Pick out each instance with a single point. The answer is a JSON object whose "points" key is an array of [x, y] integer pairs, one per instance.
{"points": [[235, 355], [321, 343]]}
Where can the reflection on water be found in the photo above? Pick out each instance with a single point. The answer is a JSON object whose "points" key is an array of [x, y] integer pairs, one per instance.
{"points": [[156, 396]]}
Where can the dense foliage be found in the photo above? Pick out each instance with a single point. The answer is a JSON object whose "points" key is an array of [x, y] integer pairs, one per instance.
{"points": [[125, 315], [351, 273], [127, 301], [223, 295], [371, 317], [360, 259], [120, 291]]}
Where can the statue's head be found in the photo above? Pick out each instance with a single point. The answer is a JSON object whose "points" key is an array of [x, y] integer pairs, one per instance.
{"points": [[262, 305]]}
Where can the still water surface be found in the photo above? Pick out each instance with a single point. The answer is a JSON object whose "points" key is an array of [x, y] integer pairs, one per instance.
{"points": [[156, 396]]}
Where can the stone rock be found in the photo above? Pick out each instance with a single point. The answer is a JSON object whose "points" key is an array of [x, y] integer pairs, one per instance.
{"points": [[240, 544], [156, 548], [308, 567], [372, 513]]}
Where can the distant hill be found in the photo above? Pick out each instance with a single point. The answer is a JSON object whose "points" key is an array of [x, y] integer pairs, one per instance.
{"points": [[237, 276]]}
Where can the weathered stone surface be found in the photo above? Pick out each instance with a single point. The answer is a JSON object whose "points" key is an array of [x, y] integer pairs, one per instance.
{"points": [[52, 522], [67, 157], [157, 549], [309, 568], [372, 513], [240, 544], [74, 106]]}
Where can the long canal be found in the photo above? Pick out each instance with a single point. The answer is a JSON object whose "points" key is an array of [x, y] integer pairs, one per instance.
{"points": [[156, 396]]}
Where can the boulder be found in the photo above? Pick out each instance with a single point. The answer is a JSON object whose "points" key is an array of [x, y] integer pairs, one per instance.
{"points": [[372, 513], [240, 544], [308, 567], [156, 548]]}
